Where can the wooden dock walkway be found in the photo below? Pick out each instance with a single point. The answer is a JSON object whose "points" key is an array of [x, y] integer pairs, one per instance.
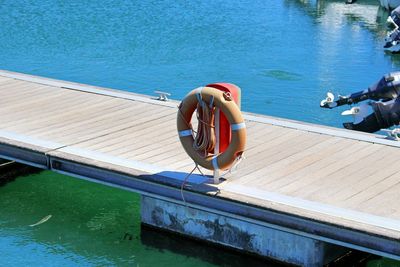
{"points": [[330, 184]]}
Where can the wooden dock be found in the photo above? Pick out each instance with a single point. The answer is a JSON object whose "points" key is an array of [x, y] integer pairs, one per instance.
{"points": [[333, 185]]}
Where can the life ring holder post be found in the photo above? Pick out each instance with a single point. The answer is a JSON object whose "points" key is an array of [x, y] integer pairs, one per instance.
{"points": [[217, 172], [235, 91]]}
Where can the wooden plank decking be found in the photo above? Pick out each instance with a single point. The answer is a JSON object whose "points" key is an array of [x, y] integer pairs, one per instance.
{"points": [[330, 177]]}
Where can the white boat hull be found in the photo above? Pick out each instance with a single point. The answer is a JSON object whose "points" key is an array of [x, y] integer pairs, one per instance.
{"points": [[395, 48], [390, 4]]}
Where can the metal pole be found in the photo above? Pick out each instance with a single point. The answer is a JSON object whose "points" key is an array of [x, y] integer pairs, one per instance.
{"points": [[217, 138]]}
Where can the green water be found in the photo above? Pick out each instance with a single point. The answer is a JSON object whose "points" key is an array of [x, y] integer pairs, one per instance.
{"points": [[90, 225], [383, 263]]}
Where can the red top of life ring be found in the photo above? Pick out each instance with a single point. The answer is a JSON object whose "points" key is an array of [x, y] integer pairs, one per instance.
{"points": [[224, 126]]}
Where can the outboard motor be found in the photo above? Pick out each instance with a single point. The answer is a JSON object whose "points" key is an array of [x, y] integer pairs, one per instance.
{"points": [[392, 41], [385, 115], [394, 19], [385, 112]]}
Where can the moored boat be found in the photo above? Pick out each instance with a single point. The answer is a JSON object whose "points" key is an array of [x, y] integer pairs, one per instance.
{"points": [[390, 4], [392, 42]]}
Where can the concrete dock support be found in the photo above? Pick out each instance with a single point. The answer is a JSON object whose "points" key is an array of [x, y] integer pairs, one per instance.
{"points": [[237, 232]]}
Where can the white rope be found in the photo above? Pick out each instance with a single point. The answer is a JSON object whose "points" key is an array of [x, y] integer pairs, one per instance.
{"points": [[187, 178], [234, 166]]}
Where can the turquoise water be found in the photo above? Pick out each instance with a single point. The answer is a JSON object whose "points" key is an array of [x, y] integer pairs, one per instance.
{"points": [[284, 54]]}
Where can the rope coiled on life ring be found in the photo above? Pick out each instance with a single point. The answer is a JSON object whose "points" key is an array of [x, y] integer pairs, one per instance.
{"points": [[205, 139]]}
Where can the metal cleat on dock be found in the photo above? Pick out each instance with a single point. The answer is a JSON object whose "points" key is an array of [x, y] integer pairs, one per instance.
{"points": [[162, 96]]}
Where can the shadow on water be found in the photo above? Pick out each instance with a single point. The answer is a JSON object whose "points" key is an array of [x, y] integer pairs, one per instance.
{"points": [[394, 57], [282, 75], [10, 170]]}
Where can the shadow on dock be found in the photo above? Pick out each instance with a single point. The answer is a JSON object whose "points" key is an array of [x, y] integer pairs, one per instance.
{"points": [[189, 181]]}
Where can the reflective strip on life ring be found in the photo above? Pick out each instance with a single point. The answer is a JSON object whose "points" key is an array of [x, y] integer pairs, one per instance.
{"points": [[208, 95], [236, 127], [185, 133]]}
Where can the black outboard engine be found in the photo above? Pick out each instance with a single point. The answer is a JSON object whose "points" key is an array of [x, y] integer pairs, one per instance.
{"points": [[385, 112], [385, 115], [394, 18], [392, 40], [387, 88]]}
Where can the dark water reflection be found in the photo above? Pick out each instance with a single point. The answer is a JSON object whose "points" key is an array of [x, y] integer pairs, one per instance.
{"points": [[364, 13], [206, 252]]}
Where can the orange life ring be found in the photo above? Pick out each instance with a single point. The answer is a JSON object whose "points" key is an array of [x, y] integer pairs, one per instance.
{"points": [[207, 95]]}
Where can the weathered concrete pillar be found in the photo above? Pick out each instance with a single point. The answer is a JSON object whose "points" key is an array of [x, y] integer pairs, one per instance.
{"points": [[237, 232]]}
